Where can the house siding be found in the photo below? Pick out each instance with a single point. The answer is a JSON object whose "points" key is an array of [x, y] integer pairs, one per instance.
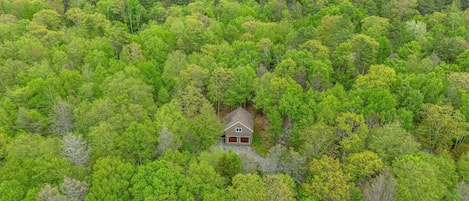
{"points": [[232, 131]]}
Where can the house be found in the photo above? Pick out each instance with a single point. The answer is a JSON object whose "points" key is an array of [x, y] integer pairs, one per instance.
{"points": [[239, 127]]}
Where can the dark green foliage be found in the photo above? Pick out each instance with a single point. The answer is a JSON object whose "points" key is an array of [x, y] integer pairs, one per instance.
{"points": [[229, 165]]}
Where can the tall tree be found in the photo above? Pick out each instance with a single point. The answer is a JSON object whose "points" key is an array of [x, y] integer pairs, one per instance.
{"points": [[241, 86], [279, 187], [220, 80], [167, 141], [76, 149], [365, 52], [382, 187], [110, 180], [352, 130], [363, 166], [74, 189], [318, 140], [416, 179], [158, 180], [334, 30], [249, 187], [327, 181], [440, 126], [391, 141], [463, 167]]}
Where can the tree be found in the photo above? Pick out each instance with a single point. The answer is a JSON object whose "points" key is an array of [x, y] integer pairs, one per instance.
{"points": [[280, 160], [167, 141], [382, 187], [249, 163], [192, 101], [103, 140], [279, 187], [416, 179], [352, 130], [463, 167], [76, 149], [319, 51], [365, 52], [229, 165], [193, 75], [379, 76], [462, 191], [463, 60], [363, 166], [249, 187], [391, 141], [135, 13], [131, 53], [375, 26], [30, 120], [110, 180], [334, 30], [74, 189], [203, 182], [403, 8], [33, 161], [328, 109], [286, 68], [241, 87], [318, 140], [138, 143], [11, 190], [327, 181], [220, 80], [379, 105], [49, 193], [440, 126], [203, 131], [157, 180]]}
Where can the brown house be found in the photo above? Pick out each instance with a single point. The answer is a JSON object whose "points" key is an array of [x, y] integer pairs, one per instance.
{"points": [[239, 127]]}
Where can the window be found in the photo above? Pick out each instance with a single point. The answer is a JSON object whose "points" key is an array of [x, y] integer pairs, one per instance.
{"points": [[232, 139], [239, 129], [244, 140]]}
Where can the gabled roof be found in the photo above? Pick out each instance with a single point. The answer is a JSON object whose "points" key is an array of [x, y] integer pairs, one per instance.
{"points": [[241, 116]]}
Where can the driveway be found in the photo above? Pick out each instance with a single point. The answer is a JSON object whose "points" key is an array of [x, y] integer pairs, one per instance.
{"points": [[244, 149]]}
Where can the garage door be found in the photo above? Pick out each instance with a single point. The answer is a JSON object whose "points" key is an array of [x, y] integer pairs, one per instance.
{"points": [[244, 140], [233, 139]]}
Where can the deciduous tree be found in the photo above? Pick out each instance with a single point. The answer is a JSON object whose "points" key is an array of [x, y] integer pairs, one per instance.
{"points": [[327, 181], [110, 180]]}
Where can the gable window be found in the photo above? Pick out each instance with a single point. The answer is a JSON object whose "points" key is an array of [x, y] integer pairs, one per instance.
{"points": [[239, 129]]}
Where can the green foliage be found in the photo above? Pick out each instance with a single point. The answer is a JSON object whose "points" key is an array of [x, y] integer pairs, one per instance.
{"points": [[441, 125], [363, 165], [11, 190], [33, 160], [391, 141], [110, 180], [463, 167], [147, 85], [417, 179], [158, 180], [326, 176], [229, 165], [247, 187]]}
